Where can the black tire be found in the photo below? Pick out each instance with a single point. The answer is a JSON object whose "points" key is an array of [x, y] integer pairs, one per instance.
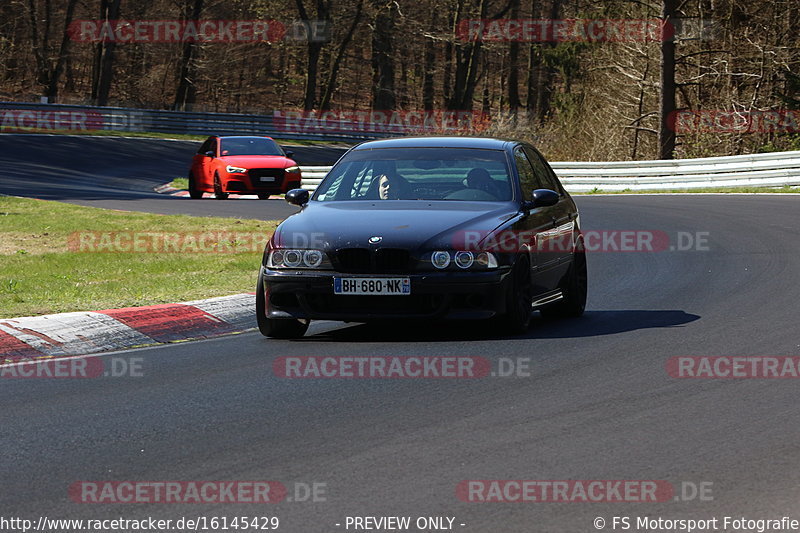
{"points": [[574, 287], [263, 196], [519, 300], [218, 194], [194, 193], [277, 328]]}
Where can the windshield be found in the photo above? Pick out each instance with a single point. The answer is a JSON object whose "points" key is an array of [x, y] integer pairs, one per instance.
{"points": [[249, 146], [419, 174]]}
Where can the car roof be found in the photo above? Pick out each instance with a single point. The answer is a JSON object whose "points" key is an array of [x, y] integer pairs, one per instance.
{"points": [[485, 143]]}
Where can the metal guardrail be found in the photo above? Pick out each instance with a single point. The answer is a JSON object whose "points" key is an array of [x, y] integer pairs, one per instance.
{"points": [[16, 116], [770, 169], [759, 170]]}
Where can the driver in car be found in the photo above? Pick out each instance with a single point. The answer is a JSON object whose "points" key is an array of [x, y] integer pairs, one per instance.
{"points": [[389, 188], [479, 178], [385, 189]]}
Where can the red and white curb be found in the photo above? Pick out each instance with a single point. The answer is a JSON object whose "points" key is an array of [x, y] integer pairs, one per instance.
{"points": [[172, 191], [81, 333]]}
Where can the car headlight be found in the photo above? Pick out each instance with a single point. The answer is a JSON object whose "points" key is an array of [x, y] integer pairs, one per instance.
{"points": [[235, 170], [312, 258], [292, 170], [292, 258], [464, 260], [440, 259]]}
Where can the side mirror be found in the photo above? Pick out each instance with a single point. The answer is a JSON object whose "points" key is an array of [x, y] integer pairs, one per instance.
{"points": [[289, 154], [544, 198], [297, 197], [210, 154]]}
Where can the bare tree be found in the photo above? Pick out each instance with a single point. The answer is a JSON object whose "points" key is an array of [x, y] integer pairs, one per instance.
{"points": [[49, 72], [186, 94], [314, 49], [104, 58], [666, 134], [514, 102], [383, 90], [330, 86]]}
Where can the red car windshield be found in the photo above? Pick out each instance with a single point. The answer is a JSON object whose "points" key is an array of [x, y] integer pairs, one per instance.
{"points": [[249, 146]]}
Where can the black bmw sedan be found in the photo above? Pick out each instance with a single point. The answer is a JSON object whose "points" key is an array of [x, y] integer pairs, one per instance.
{"points": [[426, 228]]}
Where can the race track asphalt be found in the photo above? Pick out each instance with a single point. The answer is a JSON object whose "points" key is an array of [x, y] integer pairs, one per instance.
{"points": [[120, 173], [598, 403]]}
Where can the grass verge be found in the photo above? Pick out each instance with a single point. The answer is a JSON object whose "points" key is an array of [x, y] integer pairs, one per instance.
{"points": [[57, 257], [180, 183]]}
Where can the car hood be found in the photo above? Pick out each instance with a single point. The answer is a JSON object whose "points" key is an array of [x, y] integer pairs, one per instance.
{"points": [[258, 161], [413, 225]]}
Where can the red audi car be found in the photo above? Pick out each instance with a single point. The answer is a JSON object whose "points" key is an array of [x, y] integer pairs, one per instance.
{"points": [[242, 165]]}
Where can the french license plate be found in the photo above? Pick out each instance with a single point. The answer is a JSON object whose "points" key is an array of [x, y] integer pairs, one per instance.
{"points": [[372, 286], [267, 178]]}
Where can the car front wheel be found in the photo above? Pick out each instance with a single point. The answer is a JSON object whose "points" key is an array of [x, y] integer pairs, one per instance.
{"points": [[218, 193], [277, 328], [519, 300]]}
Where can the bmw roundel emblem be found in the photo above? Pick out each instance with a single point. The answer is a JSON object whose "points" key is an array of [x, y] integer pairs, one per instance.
{"points": [[375, 240]]}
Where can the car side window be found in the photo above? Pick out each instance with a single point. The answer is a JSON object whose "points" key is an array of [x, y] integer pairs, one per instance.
{"points": [[362, 183], [348, 181], [544, 176], [527, 178], [207, 146], [332, 188]]}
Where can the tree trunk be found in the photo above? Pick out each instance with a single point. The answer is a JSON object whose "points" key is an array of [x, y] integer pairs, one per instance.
{"points": [[666, 135], [98, 54], [186, 94], [545, 77], [468, 57], [314, 52], [106, 56], [534, 63], [330, 87], [383, 90], [429, 68], [63, 55], [514, 102], [312, 71]]}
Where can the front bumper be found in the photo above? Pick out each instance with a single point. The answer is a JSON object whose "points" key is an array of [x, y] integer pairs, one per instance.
{"points": [[237, 182], [434, 295]]}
